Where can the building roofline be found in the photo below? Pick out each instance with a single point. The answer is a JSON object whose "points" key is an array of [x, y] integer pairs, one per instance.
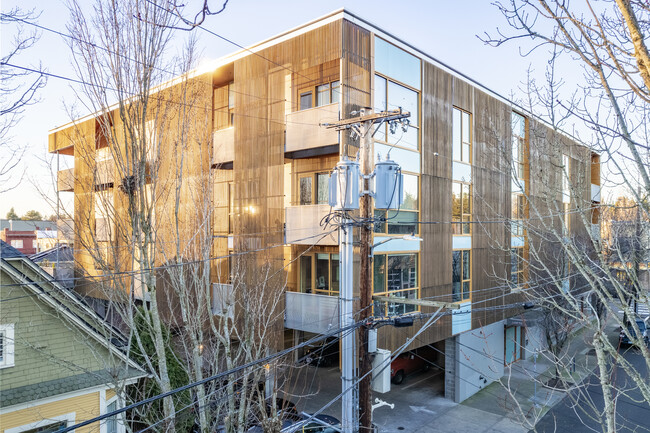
{"points": [[341, 13]]}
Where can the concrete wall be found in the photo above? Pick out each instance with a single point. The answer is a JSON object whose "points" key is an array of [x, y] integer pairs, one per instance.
{"points": [[481, 358]]}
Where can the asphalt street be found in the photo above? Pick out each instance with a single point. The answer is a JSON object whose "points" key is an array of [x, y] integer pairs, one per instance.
{"points": [[632, 412]]}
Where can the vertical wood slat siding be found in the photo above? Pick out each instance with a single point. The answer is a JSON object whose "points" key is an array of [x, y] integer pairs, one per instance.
{"points": [[258, 168], [355, 78]]}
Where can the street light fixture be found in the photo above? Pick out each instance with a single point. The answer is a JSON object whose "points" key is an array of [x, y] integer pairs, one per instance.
{"points": [[410, 237]]}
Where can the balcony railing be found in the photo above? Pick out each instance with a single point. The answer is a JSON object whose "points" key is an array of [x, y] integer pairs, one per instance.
{"points": [[595, 193], [595, 231], [223, 300], [303, 226], [311, 313], [223, 146], [65, 180], [305, 133]]}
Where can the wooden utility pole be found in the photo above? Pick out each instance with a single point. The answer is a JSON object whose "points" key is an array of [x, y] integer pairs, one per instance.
{"points": [[363, 127]]}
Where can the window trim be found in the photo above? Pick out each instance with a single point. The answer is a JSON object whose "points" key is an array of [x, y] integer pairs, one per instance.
{"points": [[471, 137], [68, 418], [8, 345], [385, 126], [462, 214]]}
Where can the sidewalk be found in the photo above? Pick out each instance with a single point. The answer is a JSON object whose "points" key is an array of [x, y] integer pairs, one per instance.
{"points": [[516, 404]]}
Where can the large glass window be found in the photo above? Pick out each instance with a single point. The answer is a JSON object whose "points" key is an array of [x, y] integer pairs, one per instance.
{"points": [[390, 95], [306, 99], [397, 63], [324, 280], [405, 220], [461, 275], [395, 275]]}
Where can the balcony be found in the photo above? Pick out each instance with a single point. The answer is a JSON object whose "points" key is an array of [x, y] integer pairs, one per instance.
{"points": [[303, 226], [595, 193], [311, 313], [223, 146], [65, 180], [306, 138]]}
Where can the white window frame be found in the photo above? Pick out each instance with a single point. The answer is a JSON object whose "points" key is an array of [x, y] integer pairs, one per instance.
{"points": [[8, 346], [69, 418], [17, 243]]}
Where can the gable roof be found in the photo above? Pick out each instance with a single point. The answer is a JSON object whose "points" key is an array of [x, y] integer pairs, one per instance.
{"points": [[67, 303]]}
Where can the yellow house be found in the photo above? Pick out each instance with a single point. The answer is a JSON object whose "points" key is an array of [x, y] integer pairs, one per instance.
{"points": [[60, 364]]}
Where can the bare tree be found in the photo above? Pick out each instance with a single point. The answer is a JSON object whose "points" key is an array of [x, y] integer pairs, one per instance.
{"points": [[607, 40], [18, 90]]}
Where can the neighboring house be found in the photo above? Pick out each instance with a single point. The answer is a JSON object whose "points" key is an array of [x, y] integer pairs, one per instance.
{"points": [[469, 156], [59, 363], [58, 262], [28, 237]]}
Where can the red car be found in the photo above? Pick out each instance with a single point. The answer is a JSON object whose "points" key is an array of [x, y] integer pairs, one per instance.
{"points": [[408, 363]]}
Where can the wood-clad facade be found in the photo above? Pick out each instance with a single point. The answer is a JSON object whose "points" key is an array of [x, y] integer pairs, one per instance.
{"points": [[248, 160]]}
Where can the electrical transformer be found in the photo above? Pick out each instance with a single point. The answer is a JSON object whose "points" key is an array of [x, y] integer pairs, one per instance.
{"points": [[389, 185], [344, 186]]}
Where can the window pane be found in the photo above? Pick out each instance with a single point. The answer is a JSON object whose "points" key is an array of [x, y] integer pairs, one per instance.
{"points": [[466, 134], [456, 204], [408, 160], [408, 138], [305, 274], [467, 199], [323, 95], [305, 101], [402, 272], [455, 266], [402, 222], [400, 96], [465, 290], [455, 139], [322, 188], [335, 275], [397, 63], [305, 190], [411, 192], [322, 272], [336, 91], [231, 95], [380, 93], [379, 273], [466, 265]]}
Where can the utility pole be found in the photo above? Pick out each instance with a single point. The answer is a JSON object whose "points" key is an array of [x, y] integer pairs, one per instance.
{"points": [[363, 127]]}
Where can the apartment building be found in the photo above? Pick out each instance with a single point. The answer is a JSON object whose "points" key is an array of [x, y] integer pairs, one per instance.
{"points": [[479, 173]]}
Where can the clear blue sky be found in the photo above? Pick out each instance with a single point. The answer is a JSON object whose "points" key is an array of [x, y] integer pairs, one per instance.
{"points": [[445, 30]]}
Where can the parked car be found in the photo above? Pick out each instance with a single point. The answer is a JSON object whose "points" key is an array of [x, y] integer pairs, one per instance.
{"points": [[410, 362], [643, 325], [325, 354]]}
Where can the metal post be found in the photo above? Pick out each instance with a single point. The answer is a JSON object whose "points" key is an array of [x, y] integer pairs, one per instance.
{"points": [[346, 305]]}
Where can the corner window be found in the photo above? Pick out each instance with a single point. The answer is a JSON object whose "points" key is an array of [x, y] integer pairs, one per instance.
{"points": [[461, 266], [395, 275], [7, 345]]}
